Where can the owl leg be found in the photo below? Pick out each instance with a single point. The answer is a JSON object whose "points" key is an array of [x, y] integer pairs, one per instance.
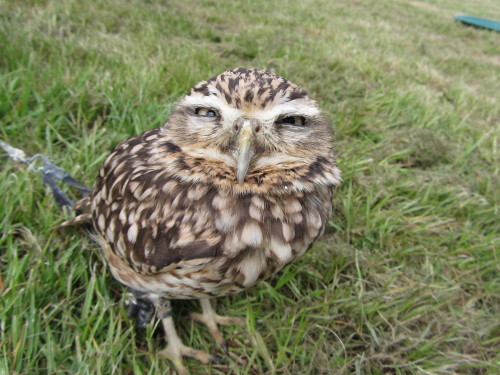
{"points": [[211, 319], [175, 349]]}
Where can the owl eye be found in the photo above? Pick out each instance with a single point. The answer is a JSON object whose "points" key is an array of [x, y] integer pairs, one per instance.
{"points": [[206, 112], [292, 120]]}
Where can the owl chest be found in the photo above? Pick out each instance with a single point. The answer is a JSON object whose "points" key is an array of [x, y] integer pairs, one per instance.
{"points": [[259, 235], [197, 239]]}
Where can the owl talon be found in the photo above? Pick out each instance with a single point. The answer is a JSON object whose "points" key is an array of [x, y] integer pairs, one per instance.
{"points": [[175, 350], [210, 318]]}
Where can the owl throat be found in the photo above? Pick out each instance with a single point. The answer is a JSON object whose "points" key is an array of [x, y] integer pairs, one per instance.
{"points": [[165, 159]]}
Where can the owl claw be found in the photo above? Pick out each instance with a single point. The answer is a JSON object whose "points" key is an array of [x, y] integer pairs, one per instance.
{"points": [[175, 349], [212, 320]]}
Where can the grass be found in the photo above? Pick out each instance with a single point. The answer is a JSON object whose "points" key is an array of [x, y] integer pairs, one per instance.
{"points": [[405, 280]]}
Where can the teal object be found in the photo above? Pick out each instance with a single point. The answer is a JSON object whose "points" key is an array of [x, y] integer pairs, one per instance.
{"points": [[479, 22]]}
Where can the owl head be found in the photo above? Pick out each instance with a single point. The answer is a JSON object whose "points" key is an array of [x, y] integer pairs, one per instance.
{"points": [[250, 130]]}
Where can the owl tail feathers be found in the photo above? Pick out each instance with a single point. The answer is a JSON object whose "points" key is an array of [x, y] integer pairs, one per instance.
{"points": [[84, 217]]}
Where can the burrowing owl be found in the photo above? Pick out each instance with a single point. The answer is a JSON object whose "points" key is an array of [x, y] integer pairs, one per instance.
{"points": [[237, 184]]}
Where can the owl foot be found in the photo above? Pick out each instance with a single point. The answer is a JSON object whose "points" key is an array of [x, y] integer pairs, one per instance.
{"points": [[210, 318], [175, 349]]}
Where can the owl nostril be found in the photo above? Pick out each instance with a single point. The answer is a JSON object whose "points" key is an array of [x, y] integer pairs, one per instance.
{"points": [[236, 127], [257, 128]]}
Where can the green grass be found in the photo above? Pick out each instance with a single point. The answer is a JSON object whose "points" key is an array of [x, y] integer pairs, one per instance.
{"points": [[406, 279]]}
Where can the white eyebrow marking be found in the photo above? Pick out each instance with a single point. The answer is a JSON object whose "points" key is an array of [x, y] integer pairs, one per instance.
{"points": [[295, 109], [230, 114]]}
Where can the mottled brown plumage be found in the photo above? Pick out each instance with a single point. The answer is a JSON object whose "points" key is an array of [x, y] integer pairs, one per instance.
{"points": [[236, 185]]}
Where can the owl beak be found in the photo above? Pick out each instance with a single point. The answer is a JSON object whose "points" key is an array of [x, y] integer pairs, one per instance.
{"points": [[244, 151]]}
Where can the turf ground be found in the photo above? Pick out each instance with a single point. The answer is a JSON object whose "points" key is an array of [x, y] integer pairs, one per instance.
{"points": [[406, 279]]}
